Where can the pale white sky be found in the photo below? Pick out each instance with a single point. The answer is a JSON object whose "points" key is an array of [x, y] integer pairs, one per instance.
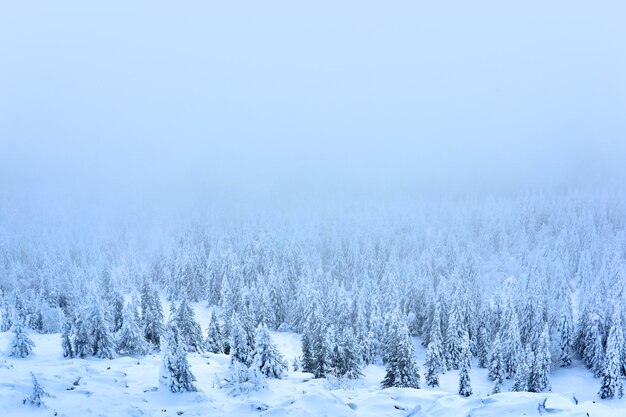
{"points": [[158, 95]]}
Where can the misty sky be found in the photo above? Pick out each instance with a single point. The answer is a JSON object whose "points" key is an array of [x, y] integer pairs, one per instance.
{"points": [[151, 95]]}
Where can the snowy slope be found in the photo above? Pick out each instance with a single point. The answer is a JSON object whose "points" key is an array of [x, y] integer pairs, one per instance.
{"points": [[128, 386]]}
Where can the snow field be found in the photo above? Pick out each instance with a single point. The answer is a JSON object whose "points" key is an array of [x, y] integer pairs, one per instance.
{"points": [[127, 386]]}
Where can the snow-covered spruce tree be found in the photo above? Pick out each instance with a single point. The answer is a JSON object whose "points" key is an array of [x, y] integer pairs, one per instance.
{"points": [[134, 305], [322, 349], [582, 326], [387, 334], [435, 362], [612, 378], [402, 368], [266, 356], [243, 380], [130, 339], [6, 323], [239, 349], [496, 367], [371, 342], [511, 344], [539, 379], [38, 394], [117, 311], [175, 373], [522, 373], [308, 364], [531, 312], [454, 339], [19, 311], [229, 297], [371, 347], [566, 332], [482, 347], [151, 315], [66, 338], [305, 303], [35, 317], [265, 310], [111, 298], [82, 343], [102, 342], [563, 322], [594, 345], [20, 346], [214, 342], [224, 326], [465, 385], [346, 361], [189, 328], [358, 321], [248, 323]]}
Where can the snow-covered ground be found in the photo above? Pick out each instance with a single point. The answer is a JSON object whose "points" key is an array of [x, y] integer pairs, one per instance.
{"points": [[129, 387]]}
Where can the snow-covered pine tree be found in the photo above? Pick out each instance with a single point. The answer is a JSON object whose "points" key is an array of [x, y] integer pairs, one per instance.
{"points": [[612, 378], [530, 315], [388, 341], [248, 323], [522, 373], [510, 341], [243, 380], [435, 362], [566, 333], [454, 338], [224, 326], [496, 366], [134, 304], [151, 315], [19, 311], [117, 311], [66, 338], [308, 364], [402, 369], [266, 356], [188, 327], [318, 342], [82, 344], [482, 347], [239, 349], [38, 394], [358, 320], [35, 317], [346, 356], [102, 342], [539, 379], [322, 349], [465, 385], [21, 346], [582, 326], [214, 342], [175, 373], [267, 313], [228, 298], [371, 342], [6, 323], [594, 343], [563, 321], [130, 339]]}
